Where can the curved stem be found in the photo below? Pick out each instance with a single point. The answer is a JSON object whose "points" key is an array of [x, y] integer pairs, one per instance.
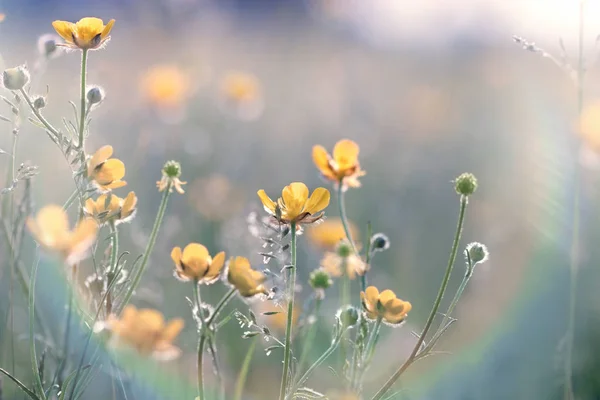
{"points": [[149, 247], [112, 266], [288, 330], [310, 335], [390, 382], [241, 380], [222, 303], [38, 114], [82, 108], [37, 382]]}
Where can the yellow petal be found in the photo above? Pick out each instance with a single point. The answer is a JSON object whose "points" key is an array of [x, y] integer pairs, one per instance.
{"points": [[112, 170], [107, 29], [101, 155], [150, 320], [114, 185], [345, 154], [318, 201], [321, 160], [294, 197], [215, 266], [386, 296], [52, 226], [172, 329], [195, 257], [128, 205], [267, 202], [371, 295], [65, 30], [176, 255], [90, 207], [81, 240], [88, 28]]}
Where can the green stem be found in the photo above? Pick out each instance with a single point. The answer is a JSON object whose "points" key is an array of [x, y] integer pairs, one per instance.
{"points": [[288, 331], [367, 355], [114, 247], [71, 199], [84, 54], [241, 380], [343, 217], [39, 115], [390, 382], [201, 342], [149, 247], [310, 335], [222, 303], [20, 384], [37, 382]]}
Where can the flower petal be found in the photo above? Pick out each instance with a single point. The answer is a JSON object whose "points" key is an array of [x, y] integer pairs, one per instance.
{"points": [[172, 329], [81, 240], [321, 159], [215, 267], [196, 258], [294, 197], [112, 170], [107, 29], [386, 296], [87, 29], [176, 255], [267, 202], [345, 154], [101, 155], [318, 201], [65, 29], [371, 297], [52, 227]]}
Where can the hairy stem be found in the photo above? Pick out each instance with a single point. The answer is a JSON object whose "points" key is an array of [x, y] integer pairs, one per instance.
{"points": [[201, 342], [288, 330], [82, 108]]}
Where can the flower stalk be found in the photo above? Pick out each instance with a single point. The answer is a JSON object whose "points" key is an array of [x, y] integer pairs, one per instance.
{"points": [[415, 352], [82, 107], [201, 341], [288, 329]]}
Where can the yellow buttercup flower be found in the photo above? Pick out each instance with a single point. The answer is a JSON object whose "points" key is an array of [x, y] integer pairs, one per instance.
{"points": [[333, 262], [330, 232], [384, 305], [295, 205], [342, 166], [109, 207], [50, 228], [165, 86], [87, 34], [195, 263], [105, 172], [146, 331], [247, 281]]}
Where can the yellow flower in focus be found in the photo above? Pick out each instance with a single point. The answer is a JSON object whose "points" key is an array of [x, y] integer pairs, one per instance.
{"points": [[330, 232], [247, 281], [384, 305], [333, 262], [105, 172], [50, 228], [165, 86], [87, 34], [342, 166], [109, 207], [277, 321], [589, 126], [146, 331], [194, 263], [295, 205]]}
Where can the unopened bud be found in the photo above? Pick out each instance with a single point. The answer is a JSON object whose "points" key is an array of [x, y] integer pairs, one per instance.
{"points": [[380, 242], [348, 316], [320, 279], [344, 249], [477, 253], [39, 102], [47, 45], [465, 184], [172, 169], [95, 95], [15, 78]]}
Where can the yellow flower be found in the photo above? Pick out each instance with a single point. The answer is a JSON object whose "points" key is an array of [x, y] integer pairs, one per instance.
{"points": [[295, 205], [330, 232], [277, 321], [146, 331], [87, 34], [384, 305], [240, 87], [194, 263], [109, 207], [332, 262], [2, 17], [50, 228], [106, 172], [165, 86], [247, 281], [341, 167]]}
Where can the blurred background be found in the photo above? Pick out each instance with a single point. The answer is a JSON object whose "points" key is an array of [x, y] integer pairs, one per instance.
{"points": [[240, 90]]}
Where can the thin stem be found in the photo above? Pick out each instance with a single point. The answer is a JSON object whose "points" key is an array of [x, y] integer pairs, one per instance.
{"points": [[66, 341], [71, 199], [241, 380], [39, 115], [149, 247], [367, 355], [334, 344], [201, 341], [213, 353], [390, 382], [20, 384], [220, 305], [82, 108], [288, 330], [343, 217], [112, 268], [574, 259], [37, 382], [310, 335]]}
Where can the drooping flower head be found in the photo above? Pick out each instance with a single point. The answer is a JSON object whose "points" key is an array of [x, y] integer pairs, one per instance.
{"points": [[50, 228], [146, 331], [109, 207], [195, 263], [329, 232], [384, 305], [342, 167], [105, 172], [86, 34], [247, 281], [170, 178], [295, 205]]}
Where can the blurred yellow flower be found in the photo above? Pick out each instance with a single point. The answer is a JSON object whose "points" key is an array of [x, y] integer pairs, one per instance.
{"points": [[146, 331], [589, 125], [215, 197], [384, 305], [330, 232], [341, 167], [295, 205], [87, 34], [165, 86], [277, 321], [195, 263], [332, 262], [50, 228], [109, 207], [247, 281], [240, 92], [2, 17], [105, 172]]}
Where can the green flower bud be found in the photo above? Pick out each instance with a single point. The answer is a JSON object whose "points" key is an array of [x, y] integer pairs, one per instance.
{"points": [[320, 279], [15, 78], [348, 316], [344, 249], [172, 169], [477, 253], [465, 184], [39, 102]]}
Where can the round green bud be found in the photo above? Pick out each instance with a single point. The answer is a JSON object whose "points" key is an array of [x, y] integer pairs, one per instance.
{"points": [[348, 316], [15, 78], [172, 169], [477, 252], [39, 102], [95, 95], [320, 279], [344, 249], [465, 184], [380, 242]]}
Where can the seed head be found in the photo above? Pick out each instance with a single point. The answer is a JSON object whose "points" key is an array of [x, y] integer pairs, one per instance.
{"points": [[465, 184], [320, 279]]}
